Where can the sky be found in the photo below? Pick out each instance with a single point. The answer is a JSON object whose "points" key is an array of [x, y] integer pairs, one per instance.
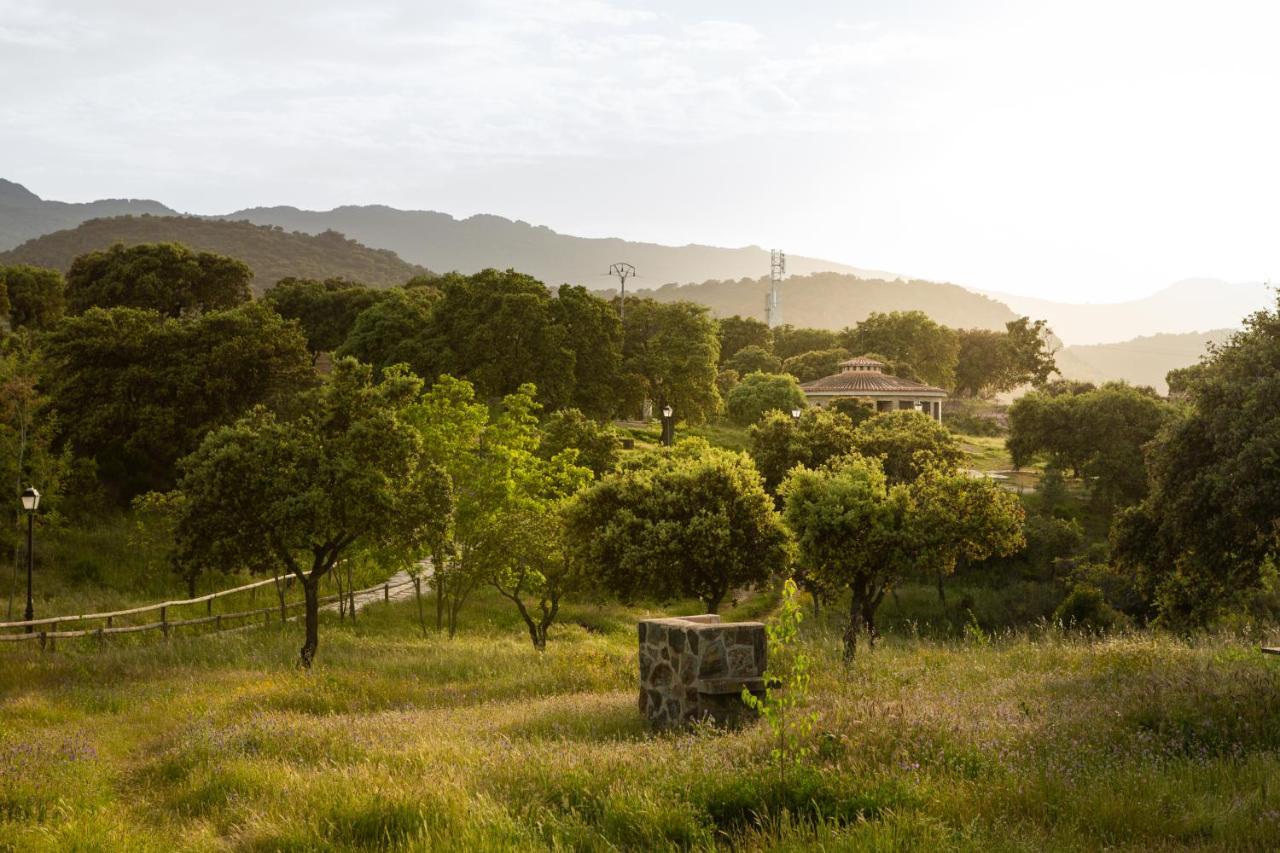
{"points": [[1082, 151]]}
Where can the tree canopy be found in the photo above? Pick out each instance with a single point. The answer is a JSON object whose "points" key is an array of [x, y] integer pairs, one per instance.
{"points": [[752, 359], [780, 442], [759, 393], [33, 297], [910, 337], [906, 443], [737, 332], [326, 310], [670, 356], [990, 362], [165, 277], [815, 364]]}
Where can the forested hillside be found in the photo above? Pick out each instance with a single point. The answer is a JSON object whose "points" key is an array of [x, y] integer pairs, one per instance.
{"points": [[834, 300], [272, 253], [24, 215], [1141, 361]]}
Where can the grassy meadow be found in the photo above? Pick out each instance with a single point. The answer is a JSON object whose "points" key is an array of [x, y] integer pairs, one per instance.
{"points": [[942, 738]]}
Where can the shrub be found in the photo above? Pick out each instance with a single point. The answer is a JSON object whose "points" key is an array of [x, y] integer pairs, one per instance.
{"points": [[763, 392], [1085, 607]]}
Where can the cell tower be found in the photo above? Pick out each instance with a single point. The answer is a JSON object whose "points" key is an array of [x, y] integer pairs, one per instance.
{"points": [[622, 272], [777, 269]]}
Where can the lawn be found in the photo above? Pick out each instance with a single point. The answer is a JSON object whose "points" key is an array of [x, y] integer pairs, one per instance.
{"points": [[939, 739]]}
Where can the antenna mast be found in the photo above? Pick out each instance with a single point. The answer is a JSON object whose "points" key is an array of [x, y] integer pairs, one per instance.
{"points": [[622, 272], [777, 269]]}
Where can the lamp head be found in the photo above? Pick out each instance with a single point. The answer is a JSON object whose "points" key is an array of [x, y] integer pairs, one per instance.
{"points": [[30, 499]]}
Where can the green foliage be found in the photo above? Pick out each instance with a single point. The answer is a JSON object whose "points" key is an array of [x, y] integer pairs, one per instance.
{"points": [[137, 391], [779, 442], [786, 686], [35, 298], [393, 331], [152, 529], [815, 364], [692, 521], [670, 355], [326, 310], [790, 341], [754, 359], [594, 333], [596, 445], [165, 277], [906, 443], [1085, 607], [854, 409], [760, 393], [349, 471], [909, 337], [1206, 530], [737, 332], [1098, 434], [991, 362]]}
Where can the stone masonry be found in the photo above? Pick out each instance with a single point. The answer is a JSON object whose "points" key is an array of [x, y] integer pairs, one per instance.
{"points": [[694, 667]]}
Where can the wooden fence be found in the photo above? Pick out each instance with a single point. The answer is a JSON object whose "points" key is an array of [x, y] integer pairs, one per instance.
{"points": [[48, 630]]}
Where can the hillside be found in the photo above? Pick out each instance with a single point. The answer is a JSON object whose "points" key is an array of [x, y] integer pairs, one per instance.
{"points": [[1187, 306], [468, 245], [833, 300], [24, 215], [1141, 361], [271, 253]]}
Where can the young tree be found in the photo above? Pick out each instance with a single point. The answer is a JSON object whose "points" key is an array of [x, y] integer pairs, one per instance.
{"points": [[754, 359], [906, 443], [780, 442], [910, 337], [759, 393], [737, 332], [348, 472], [693, 521], [596, 446], [37, 298], [164, 277]]}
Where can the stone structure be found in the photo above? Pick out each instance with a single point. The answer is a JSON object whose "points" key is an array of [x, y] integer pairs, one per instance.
{"points": [[695, 667], [865, 379]]}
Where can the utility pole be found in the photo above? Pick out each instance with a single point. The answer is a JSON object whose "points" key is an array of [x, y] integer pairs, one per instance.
{"points": [[777, 269], [622, 272]]}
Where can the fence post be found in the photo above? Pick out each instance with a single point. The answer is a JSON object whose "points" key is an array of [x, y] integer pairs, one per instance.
{"points": [[43, 636], [386, 593], [208, 609], [101, 638], [217, 622], [164, 622], [109, 618]]}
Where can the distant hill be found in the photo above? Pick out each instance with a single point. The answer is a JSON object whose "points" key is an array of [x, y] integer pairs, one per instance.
{"points": [[468, 245], [832, 301], [1187, 306], [1141, 361], [24, 215], [271, 253]]}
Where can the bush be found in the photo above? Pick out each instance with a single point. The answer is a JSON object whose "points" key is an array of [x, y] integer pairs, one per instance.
{"points": [[856, 410], [1086, 607], [763, 392]]}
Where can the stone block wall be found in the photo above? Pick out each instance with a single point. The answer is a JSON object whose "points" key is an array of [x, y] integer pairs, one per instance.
{"points": [[695, 667]]}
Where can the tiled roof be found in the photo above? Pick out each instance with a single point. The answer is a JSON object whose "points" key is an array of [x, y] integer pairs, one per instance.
{"points": [[855, 381], [861, 361]]}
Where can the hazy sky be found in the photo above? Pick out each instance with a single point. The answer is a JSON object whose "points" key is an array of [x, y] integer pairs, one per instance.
{"points": [[1079, 150]]}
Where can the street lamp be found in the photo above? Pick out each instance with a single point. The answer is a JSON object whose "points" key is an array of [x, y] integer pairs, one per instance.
{"points": [[795, 413], [668, 426], [30, 502]]}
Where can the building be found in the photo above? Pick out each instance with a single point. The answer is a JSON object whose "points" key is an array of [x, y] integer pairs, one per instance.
{"points": [[865, 379]]}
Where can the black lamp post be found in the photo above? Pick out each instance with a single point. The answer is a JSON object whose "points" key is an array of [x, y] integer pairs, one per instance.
{"points": [[795, 414], [668, 426], [30, 501]]}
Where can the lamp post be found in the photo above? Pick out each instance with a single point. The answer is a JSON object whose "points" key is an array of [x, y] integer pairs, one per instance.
{"points": [[30, 501], [668, 426], [795, 414]]}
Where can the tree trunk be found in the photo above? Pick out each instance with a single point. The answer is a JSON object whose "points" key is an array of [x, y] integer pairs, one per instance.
{"points": [[438, 579], [851, 630], [417, 594], [942, 591], [817, 605], [310, 589]]}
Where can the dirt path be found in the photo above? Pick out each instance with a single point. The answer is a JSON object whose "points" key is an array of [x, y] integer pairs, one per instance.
{"points": [[398, 589]]}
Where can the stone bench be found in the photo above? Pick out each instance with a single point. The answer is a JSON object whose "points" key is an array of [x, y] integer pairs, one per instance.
{"points": [[695, 667]]}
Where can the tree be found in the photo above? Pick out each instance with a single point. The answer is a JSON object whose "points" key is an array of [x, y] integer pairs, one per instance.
{"points": [[991, 362], [137, 391], [759, 393], [594, 332], [907, 442], [790, 341], [670, 354], [499, 331], [692, 521], [594, 445], [347, 472], [815, 364], [754, 359], [326, 310], [393, 331], [164, 277], [737, 332], [1203, 534], [780, 442], [910, 337], [37, 297], [854, 530]]}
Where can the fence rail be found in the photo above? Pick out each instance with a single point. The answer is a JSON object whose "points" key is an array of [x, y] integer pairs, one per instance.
{"points": [[46, 637]]}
